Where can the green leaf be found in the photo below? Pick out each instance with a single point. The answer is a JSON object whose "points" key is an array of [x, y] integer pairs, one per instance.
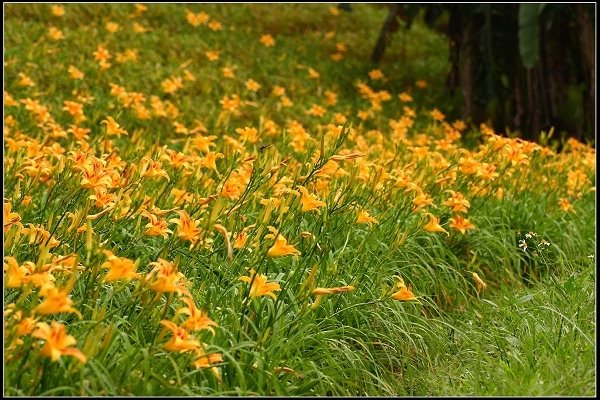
{"points": [[570, 285], [529, 33], [524, 299]]}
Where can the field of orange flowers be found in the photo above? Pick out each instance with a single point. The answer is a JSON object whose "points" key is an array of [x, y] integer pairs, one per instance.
{"points": [[198, 203]]}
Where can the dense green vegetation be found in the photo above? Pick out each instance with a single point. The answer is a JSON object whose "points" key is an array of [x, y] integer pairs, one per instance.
{"points": [[231, 200]]}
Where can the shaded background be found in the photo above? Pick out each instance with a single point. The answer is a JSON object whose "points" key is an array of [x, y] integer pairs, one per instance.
{"points": [[521, 67]]}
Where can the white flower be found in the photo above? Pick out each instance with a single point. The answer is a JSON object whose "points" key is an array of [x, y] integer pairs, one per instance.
{"points": [[523, 245]]}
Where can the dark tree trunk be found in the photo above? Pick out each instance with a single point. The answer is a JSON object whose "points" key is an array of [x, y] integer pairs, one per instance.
{"points": [[496, 88], [584, 14]]}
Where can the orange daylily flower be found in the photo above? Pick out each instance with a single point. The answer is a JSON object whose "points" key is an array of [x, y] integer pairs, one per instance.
{"points": [[133, 56], [25, 80], [197, 319], [94, 174], [260, 286], [112, 27], [434, 224], [181, 196], [181, 341], [457, 202], [248, 134], [156, 227], [55, 33], [468, 165], [196, 19], [376, 74], [422, 200], [280, 248], [241, 238], [210, 160], [207, 360], [309, 202], [204, 360], [177, 159], [203, 143], [9, 101], [563, 203], [113, 127], [24, 326], [187, 229], [405, 97], [139, 28], [171, 85], [267, 40], [55, 301], [165, 277], [19, 275], [252, 85], [212, 55], [514, 153], [316, 110], [102, 198], [75, 72], [139, 10], [63, 263], [365, 218], [437, 115], [119, 268], [461, 224], [215, 25], [152, 169], [10, 218], [404, 293], [57, 10], [58, 342], [38, 235], [16, 275], [102, 55]]}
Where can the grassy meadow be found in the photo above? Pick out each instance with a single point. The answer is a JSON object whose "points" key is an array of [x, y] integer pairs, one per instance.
{"points": [[230, 199]]}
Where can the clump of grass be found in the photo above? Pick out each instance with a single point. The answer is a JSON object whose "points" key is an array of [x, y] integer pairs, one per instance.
{"points": [[202, 203], [522, 343]]}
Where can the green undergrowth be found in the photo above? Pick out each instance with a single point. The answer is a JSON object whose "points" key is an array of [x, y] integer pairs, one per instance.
{"points": [[530, 331]]}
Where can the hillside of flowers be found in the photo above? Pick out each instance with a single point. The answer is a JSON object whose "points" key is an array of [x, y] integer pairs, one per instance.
{"points": [[196, 203]]}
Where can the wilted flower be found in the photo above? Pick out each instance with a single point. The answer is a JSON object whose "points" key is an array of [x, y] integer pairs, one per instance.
{"points": [[479, 282]]}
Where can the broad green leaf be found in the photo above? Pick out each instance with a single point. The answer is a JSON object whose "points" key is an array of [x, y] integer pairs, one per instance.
{"points": [[529, 33]]}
